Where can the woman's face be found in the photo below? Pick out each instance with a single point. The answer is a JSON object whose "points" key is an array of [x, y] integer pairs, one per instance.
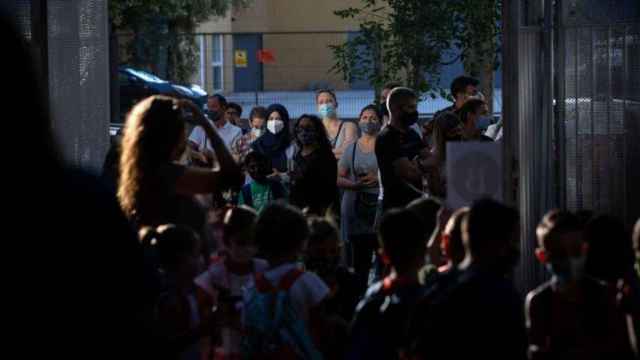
{"points": [[258, 122], [369, 116], [325, 98], [306, 125], [275, 116]]}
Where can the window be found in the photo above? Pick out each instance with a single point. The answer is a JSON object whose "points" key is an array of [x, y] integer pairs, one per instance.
{"points": [[217, 63]]}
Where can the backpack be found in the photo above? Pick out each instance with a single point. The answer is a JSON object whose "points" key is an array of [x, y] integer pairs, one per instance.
{"points": [[272, 327]]}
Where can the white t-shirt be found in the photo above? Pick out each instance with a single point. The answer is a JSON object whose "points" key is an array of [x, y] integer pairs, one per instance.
{"points": [[229, 134], [305, 293], [218, 276]]}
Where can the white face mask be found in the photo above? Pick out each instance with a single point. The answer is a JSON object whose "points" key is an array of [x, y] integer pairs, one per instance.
{"points": [[275, 126], [257, 132]]}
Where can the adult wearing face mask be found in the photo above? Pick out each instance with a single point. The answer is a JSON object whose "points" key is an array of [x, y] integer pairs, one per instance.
{"points": [[257, 122], [358, 176], [397, 149], [471, 115], [462, 89], [315, 169], [340, 133], [216, 108], [275, 143]]}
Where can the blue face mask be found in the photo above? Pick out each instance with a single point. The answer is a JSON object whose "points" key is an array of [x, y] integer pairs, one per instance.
{"points": [[327, 111], [483, 123]]}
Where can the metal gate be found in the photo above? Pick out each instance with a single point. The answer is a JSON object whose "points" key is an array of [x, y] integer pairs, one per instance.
{"points": [[571, 112], [598, 52], [70, 43]]}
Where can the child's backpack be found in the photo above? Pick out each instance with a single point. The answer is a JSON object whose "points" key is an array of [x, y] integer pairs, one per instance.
{"points": [[272, 328]]}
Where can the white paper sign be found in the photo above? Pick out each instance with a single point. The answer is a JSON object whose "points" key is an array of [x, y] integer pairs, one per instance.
{"points": [[474, 171]]}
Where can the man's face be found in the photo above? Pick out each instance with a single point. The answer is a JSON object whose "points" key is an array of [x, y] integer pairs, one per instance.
{"points": [[213, 104], [469, 92], [232, 115], [409, 106]]}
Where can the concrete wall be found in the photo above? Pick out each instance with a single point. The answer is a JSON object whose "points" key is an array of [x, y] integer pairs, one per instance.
{"points": [[302, 62]]}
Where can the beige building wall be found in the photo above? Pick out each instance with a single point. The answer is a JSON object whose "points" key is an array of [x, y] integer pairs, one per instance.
{"points": [[302, 60]]}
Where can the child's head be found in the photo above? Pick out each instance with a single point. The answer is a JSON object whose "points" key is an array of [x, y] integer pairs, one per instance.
{"points": [[258, 166], [452, 246], [402, 241], [281, 233], [490, 234], [428, 211], [178, 250], [610, 252], [238, 233], [561, 245], [324, 249]]}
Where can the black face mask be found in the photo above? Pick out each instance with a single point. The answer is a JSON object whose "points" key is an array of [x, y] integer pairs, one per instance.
{"points": [[307, 137], [408, 119], [212, 115]]}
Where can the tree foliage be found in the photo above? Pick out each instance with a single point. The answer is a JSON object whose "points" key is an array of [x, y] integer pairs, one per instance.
{"points": [[162, 31], [412, 39]]}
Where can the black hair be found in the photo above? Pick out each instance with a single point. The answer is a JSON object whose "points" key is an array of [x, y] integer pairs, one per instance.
{"points": [[236, 107], [260, 158], [489, 225], [238, 220], [555, 223], [323, 138], [400, 95], [402, 237], [171, 243], [470, 107], [460, 83], [327, 91], [610, 254], [373, 108], [281, 230], [321, 229], [221, 99], [258, 111]]}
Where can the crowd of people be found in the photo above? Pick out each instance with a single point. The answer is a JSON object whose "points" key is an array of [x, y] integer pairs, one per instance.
{"points": [[313, 238], [318, 238]]}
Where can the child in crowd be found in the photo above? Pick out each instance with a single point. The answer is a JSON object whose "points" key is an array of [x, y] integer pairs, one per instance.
{"points": [[179, 322], [323, 257], [223, 283], [377, 331], [293, 330], [261, 191], [571, 316]]}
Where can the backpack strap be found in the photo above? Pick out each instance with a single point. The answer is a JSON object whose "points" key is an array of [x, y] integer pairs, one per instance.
{"points": [[263, 285], [289, 279]]}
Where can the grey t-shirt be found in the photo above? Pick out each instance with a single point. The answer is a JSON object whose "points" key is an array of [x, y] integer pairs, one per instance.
{"points": [[361, 163]]}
